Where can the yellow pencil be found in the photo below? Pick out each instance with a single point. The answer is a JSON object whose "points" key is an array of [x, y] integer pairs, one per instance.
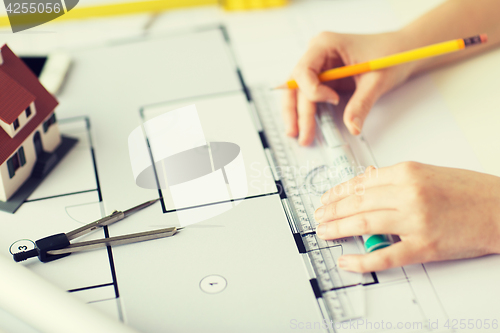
{"points": [[395, 59]]}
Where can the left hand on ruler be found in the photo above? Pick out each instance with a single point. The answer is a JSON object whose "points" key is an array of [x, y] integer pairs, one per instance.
{"points": [[439, 214]]}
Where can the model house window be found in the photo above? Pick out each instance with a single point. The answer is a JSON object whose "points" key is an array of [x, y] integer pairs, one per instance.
{"points": [[16, 124], [16, 161], [48, 122], [28, 112]]}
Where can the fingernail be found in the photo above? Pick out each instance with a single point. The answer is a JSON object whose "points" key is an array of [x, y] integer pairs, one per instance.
{"points": [[343, 262], [321, 230], [333, 101], [356, 122], [319, 213]]}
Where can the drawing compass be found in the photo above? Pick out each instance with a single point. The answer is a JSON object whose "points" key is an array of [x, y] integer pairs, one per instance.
{"points": [[59, 246]]}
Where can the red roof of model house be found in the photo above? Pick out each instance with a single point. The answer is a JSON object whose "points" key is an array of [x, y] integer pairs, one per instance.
{"points": [[13, 97], [22, 87]]}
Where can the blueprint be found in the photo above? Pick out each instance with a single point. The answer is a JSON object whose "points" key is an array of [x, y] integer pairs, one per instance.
{"points": [[97, 179], [220, 69]]}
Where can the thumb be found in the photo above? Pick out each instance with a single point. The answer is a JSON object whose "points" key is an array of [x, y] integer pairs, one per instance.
{"points": [[368, 91]]}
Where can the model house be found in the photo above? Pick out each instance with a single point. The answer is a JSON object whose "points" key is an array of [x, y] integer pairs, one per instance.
{"points": [[28, 128]]}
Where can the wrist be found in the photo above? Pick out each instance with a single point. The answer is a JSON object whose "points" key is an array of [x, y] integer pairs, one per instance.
{"points": [[493, 194], [407, 39], [495, 242], [402, 41]]}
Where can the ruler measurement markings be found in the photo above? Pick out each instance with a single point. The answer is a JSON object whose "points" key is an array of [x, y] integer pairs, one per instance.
{"points": [[303, 209]]}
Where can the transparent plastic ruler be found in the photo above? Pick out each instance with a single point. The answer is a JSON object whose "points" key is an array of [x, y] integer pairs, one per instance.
{"points": [[305, 174]]}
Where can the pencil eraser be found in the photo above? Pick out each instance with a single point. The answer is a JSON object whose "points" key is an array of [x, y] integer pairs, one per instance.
{"points": [[484, 38]]}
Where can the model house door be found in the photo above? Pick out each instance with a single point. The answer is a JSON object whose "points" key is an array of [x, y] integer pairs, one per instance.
{"points": [[38, 144]]}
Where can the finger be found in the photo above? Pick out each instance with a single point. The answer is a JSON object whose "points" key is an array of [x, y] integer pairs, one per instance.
{"points": [[289, 103], [376, 198], [372, 177], [309, 84], [306, 74], [368, 91], [316, 56], [306, 122], [396, 255], [369, 223]]}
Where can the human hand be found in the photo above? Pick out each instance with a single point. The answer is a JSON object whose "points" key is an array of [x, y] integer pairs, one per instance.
{"points": [[329, 50], [439, 214]]}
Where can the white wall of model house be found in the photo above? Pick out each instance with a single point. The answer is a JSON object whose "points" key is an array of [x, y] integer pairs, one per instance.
{"points": [[50, 141], [22, 119]]}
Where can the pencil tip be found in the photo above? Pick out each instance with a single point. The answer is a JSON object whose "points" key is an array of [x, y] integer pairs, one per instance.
{"points": [[283, 86]]}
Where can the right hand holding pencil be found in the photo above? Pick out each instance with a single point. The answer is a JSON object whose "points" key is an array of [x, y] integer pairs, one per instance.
{"points": [[329, 50]]}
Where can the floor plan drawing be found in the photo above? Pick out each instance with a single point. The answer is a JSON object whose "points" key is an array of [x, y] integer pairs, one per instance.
{"points": [[262, 251]]}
